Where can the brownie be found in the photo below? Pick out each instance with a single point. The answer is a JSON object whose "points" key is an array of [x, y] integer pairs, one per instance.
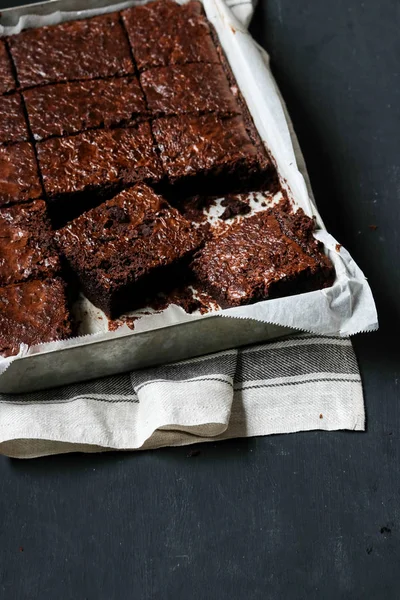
{"points": [[65, 108], [81, 170], [126, 247], [209, 152], [19, 179], [192, 88], [7, 81], [31, 313], [268, 255], [27, 250], [84, 49], [165, 33], [12, 120]]}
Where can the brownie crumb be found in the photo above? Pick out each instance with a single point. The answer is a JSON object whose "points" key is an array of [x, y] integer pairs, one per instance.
{"points": [[182, 297], [208, 303], [117, 323], [234, 206], [186, 299], [194, 208], [338, 247], [321, 416]]}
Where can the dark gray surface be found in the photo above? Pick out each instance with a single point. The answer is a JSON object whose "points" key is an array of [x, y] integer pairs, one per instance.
{"points": [[311, 515]]}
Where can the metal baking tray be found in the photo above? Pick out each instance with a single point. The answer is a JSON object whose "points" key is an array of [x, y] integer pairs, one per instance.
{"points": [[120, 354], [87, 358]]}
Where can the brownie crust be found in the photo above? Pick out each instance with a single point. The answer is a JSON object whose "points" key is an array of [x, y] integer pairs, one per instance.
{"points": [[193, 88], [66, 108], [12, 120], [33, 312], [86, 49], [268, 255], [19, 178], [27, 250], [165, 33], [120, 249]]}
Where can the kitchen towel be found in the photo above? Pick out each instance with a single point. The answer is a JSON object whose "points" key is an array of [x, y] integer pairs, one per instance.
{"points": [[299, 383]]}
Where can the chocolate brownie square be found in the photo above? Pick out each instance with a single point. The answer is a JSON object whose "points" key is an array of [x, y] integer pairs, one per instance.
{"points": [[19, 178], [166, 33], [82, 170], [27, 250], [126, 247], [33, 312], [268, 255], [13, 126], [7, 81], [193, 88], [86, 49], [210, 153], [66, 108]]}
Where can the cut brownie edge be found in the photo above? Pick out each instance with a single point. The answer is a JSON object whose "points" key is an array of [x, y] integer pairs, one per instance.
{"points": [[115, 302]]}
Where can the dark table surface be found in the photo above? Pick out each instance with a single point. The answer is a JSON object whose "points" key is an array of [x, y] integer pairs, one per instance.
{"points": [[308, 515]]}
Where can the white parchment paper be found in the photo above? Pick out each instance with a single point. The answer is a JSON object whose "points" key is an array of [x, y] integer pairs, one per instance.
{"points": [[344, 309]]}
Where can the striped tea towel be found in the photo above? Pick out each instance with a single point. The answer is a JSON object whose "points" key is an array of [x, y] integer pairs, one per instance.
{"points": [[299, 383]]}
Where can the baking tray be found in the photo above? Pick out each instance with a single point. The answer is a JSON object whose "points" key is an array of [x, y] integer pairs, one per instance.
{"points": [[345, 308]]}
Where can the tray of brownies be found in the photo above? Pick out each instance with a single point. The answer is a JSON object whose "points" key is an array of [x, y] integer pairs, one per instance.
{"points": [[151, 204]]}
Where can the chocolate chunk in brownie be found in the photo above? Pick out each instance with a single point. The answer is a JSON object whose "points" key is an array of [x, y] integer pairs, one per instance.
{"points": [[27, 250], [33, 312], [193, 88], [209, 152], [84, 49], [66, 108], [81, 170], [12, 120], [268, 255], [166, 33], [7, 81], [127, 247], [19, 179]]}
